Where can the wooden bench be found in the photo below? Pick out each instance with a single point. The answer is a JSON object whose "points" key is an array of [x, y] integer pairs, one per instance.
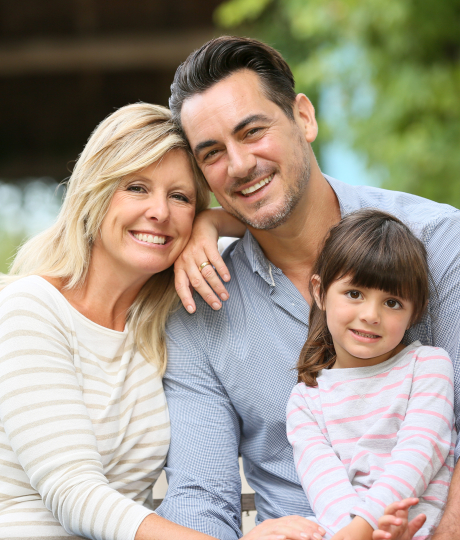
{"points": [[247, 503]]}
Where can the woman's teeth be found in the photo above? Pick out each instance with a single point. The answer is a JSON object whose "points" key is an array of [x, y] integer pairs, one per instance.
{"points": [[257, 186], [150, 238], [362, 334]]}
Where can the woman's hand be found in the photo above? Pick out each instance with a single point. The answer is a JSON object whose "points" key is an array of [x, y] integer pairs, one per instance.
{"points": [[395, 524], [286, 528], [202, 247]]}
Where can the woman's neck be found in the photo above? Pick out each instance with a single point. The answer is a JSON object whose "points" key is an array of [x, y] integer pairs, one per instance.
{"points": [[105, 296]]}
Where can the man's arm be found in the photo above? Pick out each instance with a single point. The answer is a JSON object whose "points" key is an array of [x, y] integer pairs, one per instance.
{"points": [[202, 468], [448, 528]]}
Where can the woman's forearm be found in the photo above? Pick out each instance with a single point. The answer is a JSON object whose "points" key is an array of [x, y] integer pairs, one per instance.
{"points": [[225, 223], [154, 527]]}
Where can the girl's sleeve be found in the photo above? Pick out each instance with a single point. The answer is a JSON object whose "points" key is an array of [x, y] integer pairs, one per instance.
{"points": [[47, 423], [321, 473], [424, 439]]}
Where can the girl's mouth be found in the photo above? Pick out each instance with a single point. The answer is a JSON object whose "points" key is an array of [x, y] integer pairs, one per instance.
{"points": [[362, 334]]}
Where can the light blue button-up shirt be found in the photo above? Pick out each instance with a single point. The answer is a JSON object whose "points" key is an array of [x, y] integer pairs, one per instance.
{"points": [[230, 372]]}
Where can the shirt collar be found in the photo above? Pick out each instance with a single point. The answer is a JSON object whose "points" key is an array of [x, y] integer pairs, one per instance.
{"points": [[348, 201]]}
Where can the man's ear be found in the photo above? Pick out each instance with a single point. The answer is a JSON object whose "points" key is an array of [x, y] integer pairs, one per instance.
{"points": [[316, 283], [304, 112]]}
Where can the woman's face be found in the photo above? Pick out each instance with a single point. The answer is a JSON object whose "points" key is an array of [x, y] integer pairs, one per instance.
{"points": [[149, 219]]}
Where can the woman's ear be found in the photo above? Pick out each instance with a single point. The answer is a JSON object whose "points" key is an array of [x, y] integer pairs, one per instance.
{"points": [[316, 284]]}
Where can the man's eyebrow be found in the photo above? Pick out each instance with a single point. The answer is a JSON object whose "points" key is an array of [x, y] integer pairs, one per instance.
{"points": [[202, 145], [249, 120]]}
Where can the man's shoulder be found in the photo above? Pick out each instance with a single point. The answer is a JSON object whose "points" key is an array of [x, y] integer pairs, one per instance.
{"points": [[417, 212]]}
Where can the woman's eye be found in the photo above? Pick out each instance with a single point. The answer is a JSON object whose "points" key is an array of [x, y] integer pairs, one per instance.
{"points": [[354, 295], [136, 189], [180, 197], [393, 304]]}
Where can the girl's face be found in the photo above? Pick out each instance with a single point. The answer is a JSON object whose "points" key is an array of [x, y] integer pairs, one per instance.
{"points": [[149, 220], [366, 325]]}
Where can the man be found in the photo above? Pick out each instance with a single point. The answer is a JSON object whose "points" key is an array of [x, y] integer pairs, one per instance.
{"points": [[231, 371]]}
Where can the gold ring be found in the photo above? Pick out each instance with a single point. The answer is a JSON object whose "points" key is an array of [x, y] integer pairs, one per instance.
{"points": [[202, 265]]}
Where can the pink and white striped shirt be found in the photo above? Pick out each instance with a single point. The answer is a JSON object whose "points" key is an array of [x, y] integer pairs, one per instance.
{"points": [[367, 437]]}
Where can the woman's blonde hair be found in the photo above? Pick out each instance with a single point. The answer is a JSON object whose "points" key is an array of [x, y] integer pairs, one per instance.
{"points": [[126, 142]]}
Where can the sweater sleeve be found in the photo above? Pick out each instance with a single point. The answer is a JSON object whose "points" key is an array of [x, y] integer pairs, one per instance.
{"points": [[322, 475], [424, 439], [47, 423]]}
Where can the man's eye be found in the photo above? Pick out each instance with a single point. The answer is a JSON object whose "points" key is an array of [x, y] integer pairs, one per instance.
{"points": [[210, 154], [354, 295], [393, 304]]}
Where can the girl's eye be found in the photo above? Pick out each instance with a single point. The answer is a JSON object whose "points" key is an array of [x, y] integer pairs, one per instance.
{"points": [[393, 304], [354, 295]]}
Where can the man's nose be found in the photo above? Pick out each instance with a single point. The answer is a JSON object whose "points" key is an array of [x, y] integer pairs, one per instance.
{"points": [[241, 162]]}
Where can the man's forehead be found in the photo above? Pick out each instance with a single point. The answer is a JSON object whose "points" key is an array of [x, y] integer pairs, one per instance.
{"points": [[231, 100]]}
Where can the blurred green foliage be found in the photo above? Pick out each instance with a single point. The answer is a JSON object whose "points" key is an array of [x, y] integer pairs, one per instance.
{"points": [[8, 246], [391, 69]]}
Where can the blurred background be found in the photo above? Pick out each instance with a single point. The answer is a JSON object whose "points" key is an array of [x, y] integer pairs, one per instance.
{"points": [[383, 75]]}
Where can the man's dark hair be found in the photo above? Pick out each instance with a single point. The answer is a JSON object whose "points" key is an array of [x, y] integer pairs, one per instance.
{"points": [[223, 56]]}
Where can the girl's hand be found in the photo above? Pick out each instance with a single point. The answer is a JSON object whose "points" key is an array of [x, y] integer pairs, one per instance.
{"points": [[286, 528], [358, 529], [202, 247], [395, 525]]}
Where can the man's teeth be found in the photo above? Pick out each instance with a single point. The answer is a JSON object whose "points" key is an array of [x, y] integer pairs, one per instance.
{"points": [[365, 335], [150, 238], [257, 186]]}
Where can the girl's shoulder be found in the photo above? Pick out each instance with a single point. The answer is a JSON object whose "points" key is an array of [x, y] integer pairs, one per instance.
{"points": [[430, 359]]}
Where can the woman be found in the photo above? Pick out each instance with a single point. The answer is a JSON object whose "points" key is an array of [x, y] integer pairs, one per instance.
{"points": [[84, 427], [84, 423]]}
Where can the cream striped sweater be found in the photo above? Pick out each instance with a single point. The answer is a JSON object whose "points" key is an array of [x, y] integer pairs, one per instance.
{"points": [[84, 426]]}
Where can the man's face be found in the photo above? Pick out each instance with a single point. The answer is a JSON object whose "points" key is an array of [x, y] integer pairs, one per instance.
{"points": [[255, 159]]}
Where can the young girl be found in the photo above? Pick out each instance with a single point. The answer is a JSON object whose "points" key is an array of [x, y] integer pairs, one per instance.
{"points": [[371, 420]]}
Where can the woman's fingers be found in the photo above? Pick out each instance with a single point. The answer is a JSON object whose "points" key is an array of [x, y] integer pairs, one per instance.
{"points": [[204, 280], [289, 527]]}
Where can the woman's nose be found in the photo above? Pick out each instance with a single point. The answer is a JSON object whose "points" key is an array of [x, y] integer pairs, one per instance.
{"points": [[158, 208], [241, 162]]}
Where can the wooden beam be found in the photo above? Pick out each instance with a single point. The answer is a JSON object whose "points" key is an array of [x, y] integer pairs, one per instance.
{"points": [[114, 53]]}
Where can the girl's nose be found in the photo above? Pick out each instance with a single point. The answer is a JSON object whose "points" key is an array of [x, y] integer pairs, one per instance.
{"points": [[370, 313]]}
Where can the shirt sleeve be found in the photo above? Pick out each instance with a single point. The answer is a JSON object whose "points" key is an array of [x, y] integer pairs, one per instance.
{"points": [[202, 469], [443, 248], [424, 438], [47, 423], [322, 475]]}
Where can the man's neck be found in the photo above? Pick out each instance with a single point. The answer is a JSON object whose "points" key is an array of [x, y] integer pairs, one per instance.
{"points": [[294, 246]]}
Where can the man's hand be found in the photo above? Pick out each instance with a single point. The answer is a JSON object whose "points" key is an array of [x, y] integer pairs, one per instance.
{"points": [[395, 524], [286, 528], [358, 529]]}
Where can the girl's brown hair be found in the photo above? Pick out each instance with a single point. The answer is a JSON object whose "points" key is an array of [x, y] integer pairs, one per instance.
{"points": [[378, 252]]}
